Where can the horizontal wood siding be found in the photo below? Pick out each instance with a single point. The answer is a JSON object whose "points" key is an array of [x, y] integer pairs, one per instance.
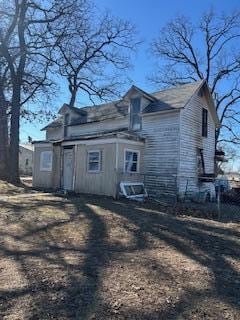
{"points": [[161, 155], [54, 133], [190, 140], [96, 127]]}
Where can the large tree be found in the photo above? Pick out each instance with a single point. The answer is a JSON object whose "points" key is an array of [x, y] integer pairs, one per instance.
{"points": [[41, 38], [94, 53], [205, 49], [26, 47]]}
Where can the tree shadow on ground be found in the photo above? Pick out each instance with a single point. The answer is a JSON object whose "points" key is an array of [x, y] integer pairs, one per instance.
{"points": [[63, 258]]}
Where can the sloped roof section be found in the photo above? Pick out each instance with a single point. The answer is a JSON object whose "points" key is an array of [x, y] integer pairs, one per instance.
{"points": [[54, 124], [112, 110], [173, 98]]}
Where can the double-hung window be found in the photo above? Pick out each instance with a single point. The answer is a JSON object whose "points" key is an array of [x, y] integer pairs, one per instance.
{"points": [[131, 161], [94, 161]]}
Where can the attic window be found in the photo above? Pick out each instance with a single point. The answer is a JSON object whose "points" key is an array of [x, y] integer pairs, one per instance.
{"points": [[135, 108], [204, 122], [66, 123]]}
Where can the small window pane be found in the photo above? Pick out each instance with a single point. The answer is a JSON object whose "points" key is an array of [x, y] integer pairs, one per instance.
{"points": [[94, 156], [93, 166], [135, 156], [134, 167]]}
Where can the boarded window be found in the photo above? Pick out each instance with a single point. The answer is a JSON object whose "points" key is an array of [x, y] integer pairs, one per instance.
{"points": [[204, 122], [131, 161], [135, 108], [94, 161], [46, 161]]}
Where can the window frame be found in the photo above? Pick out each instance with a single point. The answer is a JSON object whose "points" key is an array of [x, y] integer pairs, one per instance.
{"points": [[138, 160], [99, 162], [204, 122], [44, 168]]}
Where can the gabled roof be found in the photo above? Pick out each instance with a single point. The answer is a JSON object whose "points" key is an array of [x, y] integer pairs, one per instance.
{"points": [[173, 98], [148, 96]]}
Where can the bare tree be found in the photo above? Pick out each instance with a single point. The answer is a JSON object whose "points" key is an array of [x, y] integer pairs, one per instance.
{"points": [[25, 51], [94, 53], [206, 50]]}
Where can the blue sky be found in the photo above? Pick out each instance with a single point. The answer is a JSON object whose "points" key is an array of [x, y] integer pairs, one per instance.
{"points": [[149, 17]]}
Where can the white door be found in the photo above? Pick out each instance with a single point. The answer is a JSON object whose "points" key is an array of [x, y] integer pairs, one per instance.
{"points": [[68, 169]]}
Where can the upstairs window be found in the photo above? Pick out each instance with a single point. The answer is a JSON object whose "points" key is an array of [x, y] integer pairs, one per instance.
{"points": [[204, 122], [135, 109], [131, 161], [66, 123]]}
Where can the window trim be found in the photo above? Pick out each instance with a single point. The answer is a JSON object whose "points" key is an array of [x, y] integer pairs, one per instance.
{"points": [[138, 161], [99, 162], [42, 168], [204, 123]]}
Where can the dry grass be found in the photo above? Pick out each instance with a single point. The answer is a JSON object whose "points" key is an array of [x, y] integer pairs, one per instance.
{"points": [[95, 258]]}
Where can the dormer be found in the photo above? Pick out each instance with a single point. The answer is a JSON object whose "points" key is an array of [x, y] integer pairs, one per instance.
{"points": [[137, 100], [71, 115]]}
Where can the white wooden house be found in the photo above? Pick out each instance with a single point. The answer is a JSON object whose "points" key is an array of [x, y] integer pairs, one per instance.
{"points": [[166, 139]]}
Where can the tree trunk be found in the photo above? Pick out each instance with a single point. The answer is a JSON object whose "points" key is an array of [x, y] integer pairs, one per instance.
{"points": [[73, 97], [4, 170], [14, 136]]}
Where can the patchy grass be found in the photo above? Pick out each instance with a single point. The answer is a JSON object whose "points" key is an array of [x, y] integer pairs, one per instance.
{"points": [[94, 258]]}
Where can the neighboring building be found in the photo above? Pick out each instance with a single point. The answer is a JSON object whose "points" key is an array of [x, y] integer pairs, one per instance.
{"points": [[26, 159], [165, 139]]}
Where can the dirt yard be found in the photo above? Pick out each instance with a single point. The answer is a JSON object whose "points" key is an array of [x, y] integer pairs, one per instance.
{"points": [[94, 258]]}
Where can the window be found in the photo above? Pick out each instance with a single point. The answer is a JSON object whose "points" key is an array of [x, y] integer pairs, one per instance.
{"points": [[135, 108], [131, 162], [46, 161], [94, 161], [204, 122], [66, 123], [26, 162]]}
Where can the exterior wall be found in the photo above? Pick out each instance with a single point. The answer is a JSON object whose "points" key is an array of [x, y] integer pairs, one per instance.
{"points": [[41, 179], [57, 172], [95, 127], [25, 161], [106, 181], [103, 182], [190, 140], [54, 133], [161, 155]]}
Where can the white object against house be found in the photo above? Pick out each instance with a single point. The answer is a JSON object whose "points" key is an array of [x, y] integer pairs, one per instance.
{"points": [[165, 139], [26, 159]]}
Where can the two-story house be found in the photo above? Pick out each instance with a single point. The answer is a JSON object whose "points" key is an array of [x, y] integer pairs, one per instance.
{"points": [[165, 139]]}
